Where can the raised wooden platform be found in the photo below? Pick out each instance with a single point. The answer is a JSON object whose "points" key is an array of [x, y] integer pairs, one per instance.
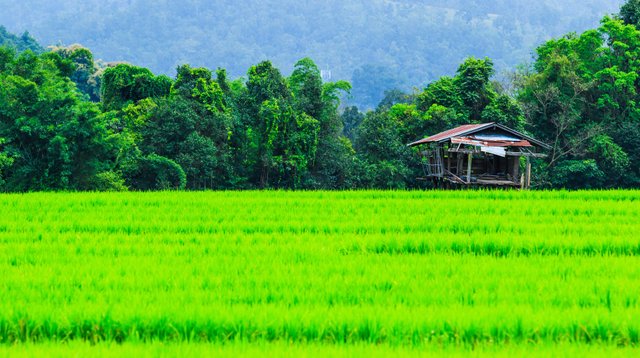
{"points": [[497, 182]]}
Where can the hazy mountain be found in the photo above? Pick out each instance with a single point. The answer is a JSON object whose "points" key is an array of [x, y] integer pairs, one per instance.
{"points": [[19, 43], [422, 39]]}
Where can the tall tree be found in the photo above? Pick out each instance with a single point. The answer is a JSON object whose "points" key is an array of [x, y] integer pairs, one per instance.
{"points": [[86, 74], [279, 142], [630, 12], [50, 137], [126, 84], [582, 98]]}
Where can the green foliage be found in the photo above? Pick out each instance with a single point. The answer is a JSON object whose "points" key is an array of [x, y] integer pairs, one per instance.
{"points": [[382, 154], [414, 41], [19, 43], [306, 85], [330, 155], [469, 97], [351, 119], [5, 162], [614, 160], [393, 97], [155, 172], [473, 86], [271, 131], [331, 92], [266, 82], [444, 92], [504, 110], [281, 142], [630, 12], [125, 84], [198, 84], [439, 118], [578, 174], [108, 181], [407, 120], [86, 74], [186, 131], [54, 140], [583, 91], [7, 55]]}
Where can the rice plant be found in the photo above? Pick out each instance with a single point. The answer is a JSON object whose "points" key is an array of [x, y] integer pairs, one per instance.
{"points": [[411, 270]]}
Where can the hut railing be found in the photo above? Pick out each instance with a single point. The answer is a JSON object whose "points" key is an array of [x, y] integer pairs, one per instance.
{"points": [[434, 162]]}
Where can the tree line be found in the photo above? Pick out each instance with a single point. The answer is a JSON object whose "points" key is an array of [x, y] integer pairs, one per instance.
{"points": [[69, 123], [375, 44]]}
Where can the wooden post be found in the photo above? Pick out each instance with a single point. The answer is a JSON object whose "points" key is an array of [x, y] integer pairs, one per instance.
{"points": [[470, 159], [515, 167], [528, 174]]}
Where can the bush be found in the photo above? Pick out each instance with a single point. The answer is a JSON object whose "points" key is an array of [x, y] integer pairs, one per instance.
{"points": [[155, 172], [108, 181], [577, 174]]}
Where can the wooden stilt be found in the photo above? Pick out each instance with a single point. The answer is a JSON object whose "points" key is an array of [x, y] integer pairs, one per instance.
{"points": [[470, 159], [528, 174]]}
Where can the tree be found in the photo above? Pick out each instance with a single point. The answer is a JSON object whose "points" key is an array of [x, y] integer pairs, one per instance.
{"points": [[306, 86], [86, 74], [381, 153], [474, 87], [333, 164], [275, 140], [554, 103], [52, 139], [393, 97], [155, 172], [504, 110], [578, 174], [351, 120], [582, 93], [19, 43], [125, 84], [186, 132], [630, 12]]}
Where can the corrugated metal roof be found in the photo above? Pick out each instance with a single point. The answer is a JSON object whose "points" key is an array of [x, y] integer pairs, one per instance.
{"points": [[469, 129], [451, 133], [472, 140]]}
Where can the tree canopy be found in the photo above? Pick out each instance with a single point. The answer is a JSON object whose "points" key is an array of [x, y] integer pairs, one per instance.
{"points": [[70, 122]]}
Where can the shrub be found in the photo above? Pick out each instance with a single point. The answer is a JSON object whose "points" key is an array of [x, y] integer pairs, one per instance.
{"points": [[155, 172]]}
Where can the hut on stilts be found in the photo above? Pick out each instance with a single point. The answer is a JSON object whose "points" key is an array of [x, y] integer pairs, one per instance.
{"points": [[480, 155]]}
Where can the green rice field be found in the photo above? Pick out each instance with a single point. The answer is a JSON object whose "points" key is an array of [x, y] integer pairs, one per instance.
{"points": [[326, 273]]}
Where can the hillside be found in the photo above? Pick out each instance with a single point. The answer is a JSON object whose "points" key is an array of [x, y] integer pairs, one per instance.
{"points": [[423, 40], [19, 43]]}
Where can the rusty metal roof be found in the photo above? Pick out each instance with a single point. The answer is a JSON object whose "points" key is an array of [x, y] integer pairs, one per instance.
{"points": [[455, 132], [473, 140], [468, 129]]}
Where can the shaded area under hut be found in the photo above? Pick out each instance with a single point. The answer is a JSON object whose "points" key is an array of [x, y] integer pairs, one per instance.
{"points": [[480, 155]]}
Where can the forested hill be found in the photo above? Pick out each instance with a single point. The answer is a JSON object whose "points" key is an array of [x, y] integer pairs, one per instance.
{"points": [[403, 43], [19, 43]]}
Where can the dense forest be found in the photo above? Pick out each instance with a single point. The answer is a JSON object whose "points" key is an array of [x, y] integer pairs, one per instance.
{"points": [[377, 45], [69, 122]]}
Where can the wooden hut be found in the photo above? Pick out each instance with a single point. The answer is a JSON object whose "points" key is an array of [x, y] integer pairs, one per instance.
{"points": [[480, 155]]}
